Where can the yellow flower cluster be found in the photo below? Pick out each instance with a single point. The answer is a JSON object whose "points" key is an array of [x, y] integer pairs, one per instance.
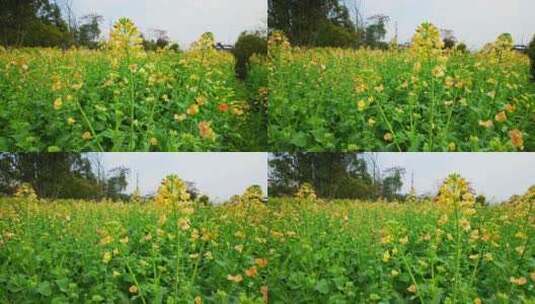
{"points": [[172, 191], [125, 39], [426, 40], [253, 194], [455, 193], [277, 40], [26, 191], [205, 43], [306, 191]]}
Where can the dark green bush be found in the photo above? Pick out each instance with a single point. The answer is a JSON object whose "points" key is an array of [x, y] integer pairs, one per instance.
{"points": [[461, 47], [531, 54], [332, 35], [248, 44]]}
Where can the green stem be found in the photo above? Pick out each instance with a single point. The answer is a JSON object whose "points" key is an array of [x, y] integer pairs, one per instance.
{"points": [[89, 125], [388, 125], [411, 274], [458, 252], [132, 108], [136, 282], [432, 117]]}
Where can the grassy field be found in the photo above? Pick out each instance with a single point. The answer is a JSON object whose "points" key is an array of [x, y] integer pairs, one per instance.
{"points": [[121, 98], [400, 100], [287, 251]]}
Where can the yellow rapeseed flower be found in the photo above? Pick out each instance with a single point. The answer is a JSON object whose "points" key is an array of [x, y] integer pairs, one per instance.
{"points": [[235, 278], [261, 262], [251, 272], [58, 103], [361, 105], [412, 288], [486, 123], [517, 138], [501, 117], [87, 136], [106, 257], [193, 110], [206, 131], [133, 289], [518, 281]]}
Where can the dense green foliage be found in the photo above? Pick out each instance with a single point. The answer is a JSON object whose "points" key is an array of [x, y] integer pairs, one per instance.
{"points": [[326, 23], [96, 101], [333, 175], [351, 252], [289, 251], [84, 252], [311, 22], [32, 23]]}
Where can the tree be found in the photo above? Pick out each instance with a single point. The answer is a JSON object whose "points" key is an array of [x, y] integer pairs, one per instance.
{"points": [[61, 176], [481, 200], [116, 183], [32, 23], [52, 175], [192, 190], [331, 35], [376, 31], [89, 31], [158, 39], [303, 20], [204, 200], [331, 175], [449, 39], [461, 47], [392, 183]]}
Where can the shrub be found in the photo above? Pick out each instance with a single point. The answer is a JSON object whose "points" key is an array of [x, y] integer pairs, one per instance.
{"points": [[247, 45], [331, 35], [531, 54], [461, 47]]}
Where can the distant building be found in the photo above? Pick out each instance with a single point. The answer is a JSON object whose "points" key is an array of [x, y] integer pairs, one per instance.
{"points": [[521, 48], [224, 47]]}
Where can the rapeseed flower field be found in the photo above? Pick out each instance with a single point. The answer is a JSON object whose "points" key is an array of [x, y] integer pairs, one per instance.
{"points": [[424, 98], [121, 98]]}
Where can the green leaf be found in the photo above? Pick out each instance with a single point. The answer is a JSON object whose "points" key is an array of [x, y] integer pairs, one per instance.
{"points": [[299, 140], [54, 149], [322, 286], [44, 289], [63, 284]]}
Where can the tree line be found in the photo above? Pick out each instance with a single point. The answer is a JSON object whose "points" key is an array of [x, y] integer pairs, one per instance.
{"points": [[67, 176], [326, 23], [334, 176], [49, 23], [61, 175], [341, 23]]}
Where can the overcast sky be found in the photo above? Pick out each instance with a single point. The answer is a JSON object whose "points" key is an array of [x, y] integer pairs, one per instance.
{"points": [[496, 175], [475, 22], [185, 20], [219, 175]]}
